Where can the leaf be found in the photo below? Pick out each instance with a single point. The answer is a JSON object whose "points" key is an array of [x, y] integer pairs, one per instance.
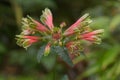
{"points": [[91, 70], [63, 54], [101, 23], [49, 62], [115, 22], [2, 48], [83, 53], [117, 72], [95, 68], [110, 56], [111, 72], [40, 53], [32, 50], [82, 57], [65, 77]]}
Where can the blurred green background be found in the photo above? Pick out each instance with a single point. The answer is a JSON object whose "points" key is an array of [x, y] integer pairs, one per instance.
{"points": [[102, 62]]}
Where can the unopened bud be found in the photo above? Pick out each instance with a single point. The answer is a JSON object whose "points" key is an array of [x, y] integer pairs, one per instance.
{"points": [[47, 49], [63, 24]]}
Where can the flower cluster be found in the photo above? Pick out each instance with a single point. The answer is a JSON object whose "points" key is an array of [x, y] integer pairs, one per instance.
{"points": [[71, 38]]}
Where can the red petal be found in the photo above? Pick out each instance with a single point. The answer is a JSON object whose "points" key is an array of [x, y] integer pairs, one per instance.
{"points": [[71, 29], [32, 37], [40, 27]]}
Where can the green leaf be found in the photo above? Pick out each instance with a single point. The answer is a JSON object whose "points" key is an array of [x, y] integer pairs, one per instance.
{"points": [[49, 62], [110, 56], [83, 53], [40, 53], [101, 23], [32, 50], [111, 72], [91, 70], [117, 72], [115, 22], [63, 54], [82, 56], [65, 77], [2, 48]]}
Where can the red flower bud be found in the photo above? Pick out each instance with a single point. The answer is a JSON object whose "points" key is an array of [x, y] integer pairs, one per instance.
{"points": [[92, 33], [56, 36], [47, 18], [62, 24], [40, 27], [92, 36], [69, 44], [72, 28], [28, 42], [47, 49], [31, 41], [31, 37]]}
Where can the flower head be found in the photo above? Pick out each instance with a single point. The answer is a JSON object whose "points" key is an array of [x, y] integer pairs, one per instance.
{"points": [[70, 39]]}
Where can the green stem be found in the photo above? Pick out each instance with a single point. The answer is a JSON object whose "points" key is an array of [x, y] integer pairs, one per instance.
{"points": [[55, 68]]}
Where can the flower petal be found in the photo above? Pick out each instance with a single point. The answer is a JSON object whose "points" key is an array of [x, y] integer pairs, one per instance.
{"points": [[47, 18], [71, 29], [40, 27], [93, 33], [28, 42], [32, 37]]}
